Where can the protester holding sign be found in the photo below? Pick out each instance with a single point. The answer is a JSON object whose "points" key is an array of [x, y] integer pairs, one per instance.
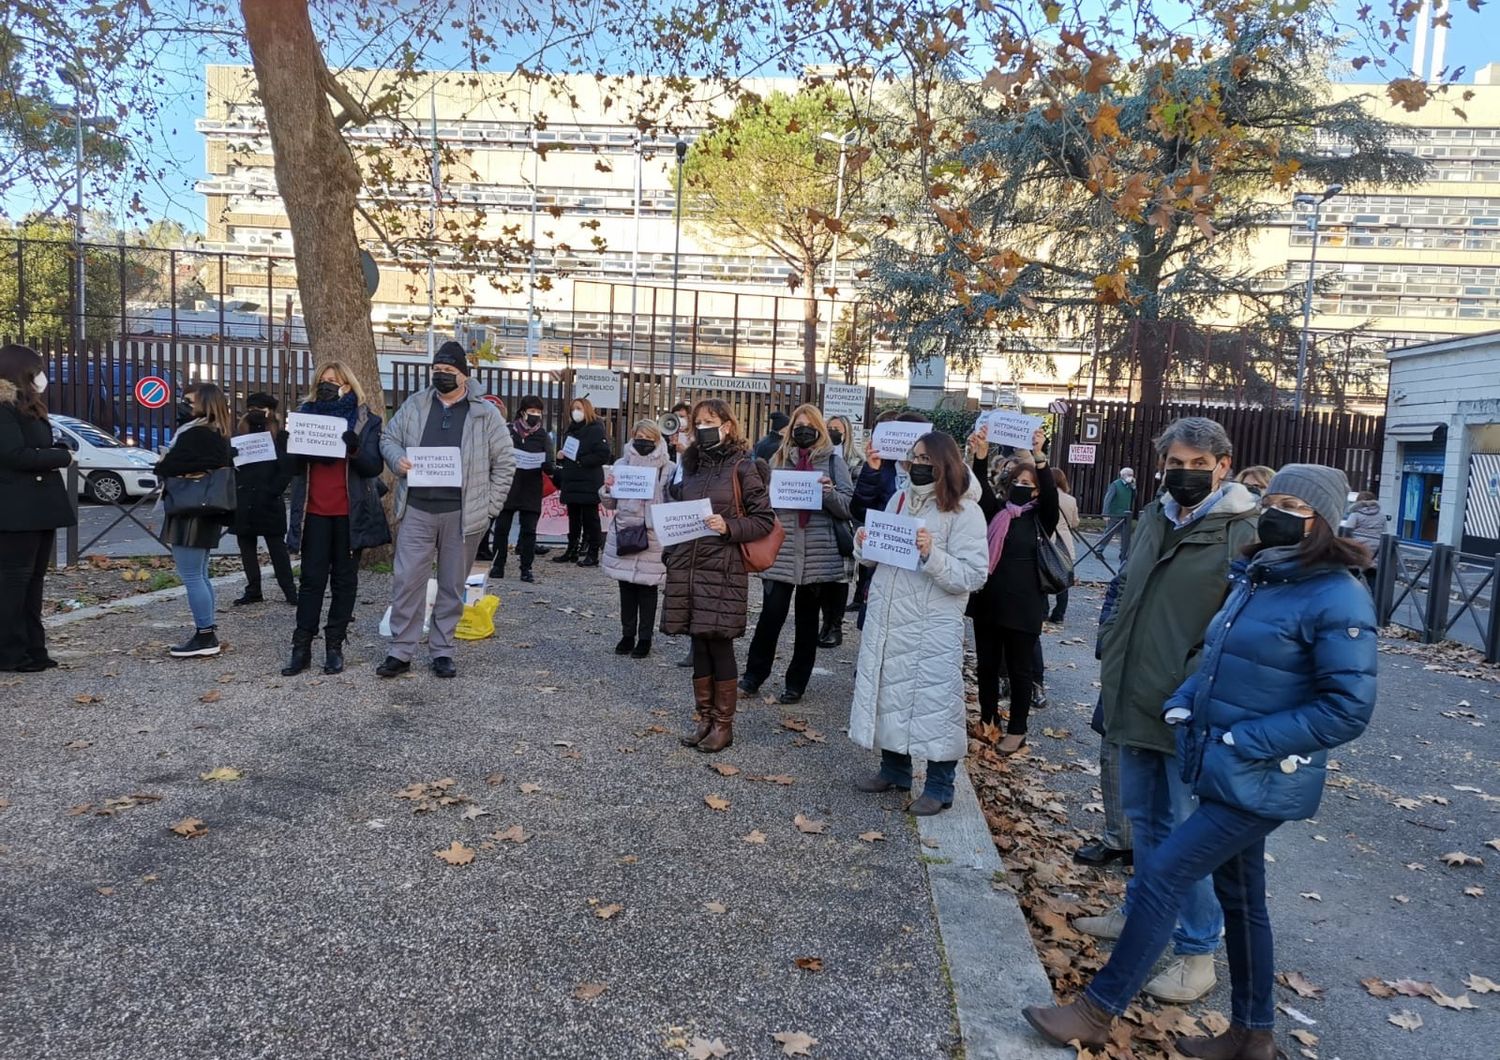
{"points": [[534, 458], [810, 558], [260, 501], [336, 514], [445, 513], [836, 594], [909, 683], [879, 480], [707, 585], [583, 452], [1008, 611], [199, 447], [632, 553]]}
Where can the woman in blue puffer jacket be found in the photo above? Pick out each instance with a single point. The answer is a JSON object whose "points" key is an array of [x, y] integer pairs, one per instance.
{"points": [[1287, 673]]}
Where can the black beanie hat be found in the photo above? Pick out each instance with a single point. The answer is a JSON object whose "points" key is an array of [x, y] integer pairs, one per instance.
{"points": [[452, 353], [261, 400], [779, 420]]}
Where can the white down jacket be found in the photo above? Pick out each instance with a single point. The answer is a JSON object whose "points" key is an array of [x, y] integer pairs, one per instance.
{"points": [[640, 568], [909, 685]]}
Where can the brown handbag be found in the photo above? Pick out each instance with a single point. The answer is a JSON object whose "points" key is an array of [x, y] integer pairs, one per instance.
{"points": [[760, 553]]}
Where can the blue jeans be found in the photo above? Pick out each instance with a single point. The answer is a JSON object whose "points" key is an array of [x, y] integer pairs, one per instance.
{"points": [[1156, 801], [192, 568], [1230, 843], [896, 768]]}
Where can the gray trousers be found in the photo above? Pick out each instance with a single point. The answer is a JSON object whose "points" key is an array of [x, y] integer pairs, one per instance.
{"points": [[1116, 825], [421, 537]]}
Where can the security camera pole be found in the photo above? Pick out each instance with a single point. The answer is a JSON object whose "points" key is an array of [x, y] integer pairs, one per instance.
{"points": [[1316, 202]]}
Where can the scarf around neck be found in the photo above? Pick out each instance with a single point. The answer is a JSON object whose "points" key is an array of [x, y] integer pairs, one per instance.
{"points": [[1000, 526], [804, 463], [346, 406]]}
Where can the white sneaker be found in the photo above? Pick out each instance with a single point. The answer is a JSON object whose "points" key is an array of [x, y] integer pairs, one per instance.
{"points": [[1102, 927], [1185, 979]]}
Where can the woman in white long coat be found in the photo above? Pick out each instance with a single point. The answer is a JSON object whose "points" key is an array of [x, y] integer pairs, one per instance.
{"points": [[638, 565], [909, 686]]}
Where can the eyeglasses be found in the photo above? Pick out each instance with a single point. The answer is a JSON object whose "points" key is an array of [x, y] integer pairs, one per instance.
{"points": [[918, 458]]}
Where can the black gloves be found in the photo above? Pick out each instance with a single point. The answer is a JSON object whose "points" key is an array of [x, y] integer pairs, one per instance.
{"points": [[351, 441]]}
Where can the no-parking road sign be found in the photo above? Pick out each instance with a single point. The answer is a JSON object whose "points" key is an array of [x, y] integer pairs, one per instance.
{"points": [[152, 392]]}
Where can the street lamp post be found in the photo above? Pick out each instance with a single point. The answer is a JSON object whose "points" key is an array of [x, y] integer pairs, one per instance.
{"points": [[70, 78], [681, 148], [1316, 202], [844, 143]]}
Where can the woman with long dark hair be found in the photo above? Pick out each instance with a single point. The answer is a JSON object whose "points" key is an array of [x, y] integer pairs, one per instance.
{"points": [[707, 585], [200, 446], [909, 684], [534, 459], [579, 477], [33, 505], [336, 515], [260, 504], [1286, 674]]}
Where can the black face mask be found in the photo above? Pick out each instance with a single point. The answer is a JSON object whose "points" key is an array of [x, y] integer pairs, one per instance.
{"points": [[328, 391], [184, 412], [1277, 527], [445, 382], [836, 437], [708, 437], [533, 419], [256, 418], [1187, 486], [644, 446], [921, 474], [805, 437], [1021, 494]]}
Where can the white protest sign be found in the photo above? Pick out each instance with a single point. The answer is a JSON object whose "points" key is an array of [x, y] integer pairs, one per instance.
{"points": [[893, 439], [254, 448], [435, 465], [681, 521], [309, 435], [599, 385], [570, 448], [892, 539], [1011, 428], [633, 483], [529, 461], [801, 490]]}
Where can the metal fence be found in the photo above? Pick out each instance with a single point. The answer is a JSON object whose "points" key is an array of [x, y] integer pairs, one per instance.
{"points": [[1440, 593]]}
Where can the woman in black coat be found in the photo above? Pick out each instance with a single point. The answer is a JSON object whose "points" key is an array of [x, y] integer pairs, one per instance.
{"points": [[1009, 610], [580, 477], [33, 504], [533, 447], [200, 445], [260, 508]]}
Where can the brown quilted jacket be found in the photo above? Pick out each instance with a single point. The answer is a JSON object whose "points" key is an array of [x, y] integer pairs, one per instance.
{"points": [[707, 587]]}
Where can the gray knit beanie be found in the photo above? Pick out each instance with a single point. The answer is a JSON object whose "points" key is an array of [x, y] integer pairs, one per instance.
{"points": [[1325, 488]]}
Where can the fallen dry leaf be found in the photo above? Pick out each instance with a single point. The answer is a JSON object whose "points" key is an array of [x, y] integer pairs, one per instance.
{"points": [[495, 779], [222, 773], [189, 827], [717, 908], [86, 699], [211, 697], [1307, 1038], [1474, 892], [456, 854], [1407, 1021], [808, 826], [872, 837], [1480, 985], [1458, 1004], [105, 891], [786, 780], [1413, 988], [724, 769], [716, 802], [588, 991], [704, 1049], [1300, 984], [472, 812], [1456, 858], [514, 834], [794, 1043], [809, 964], [530, 789], [755, 836], [77, 745], [607, 912], [1311, 896], [1495, 843], [1377, 987]]}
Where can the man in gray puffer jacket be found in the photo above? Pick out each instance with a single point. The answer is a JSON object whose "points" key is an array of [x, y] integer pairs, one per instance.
{"points": [[443, 521]]}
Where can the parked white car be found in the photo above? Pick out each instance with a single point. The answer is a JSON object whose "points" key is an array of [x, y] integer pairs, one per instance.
{"points": [[108, 470]]}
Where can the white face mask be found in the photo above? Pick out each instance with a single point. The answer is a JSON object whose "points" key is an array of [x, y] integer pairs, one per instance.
{"points": [[39, 381], [578, 415]]}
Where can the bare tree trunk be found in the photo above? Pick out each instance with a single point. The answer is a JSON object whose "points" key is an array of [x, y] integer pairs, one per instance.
{"points": [[318, 181], [810, 331]]}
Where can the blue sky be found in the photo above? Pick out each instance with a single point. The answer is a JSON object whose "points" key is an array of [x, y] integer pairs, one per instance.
{"points": [[1472, 42]]}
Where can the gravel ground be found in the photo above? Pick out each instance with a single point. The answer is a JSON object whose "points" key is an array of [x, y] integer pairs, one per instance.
{"points": [[1386, 905], [312, 918]]}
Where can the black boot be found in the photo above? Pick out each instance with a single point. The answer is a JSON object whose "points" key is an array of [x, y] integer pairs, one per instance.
{"points": [[590, 558], [570, 556], [497, 570], [333, 654], [832, 634], [301, 657]]}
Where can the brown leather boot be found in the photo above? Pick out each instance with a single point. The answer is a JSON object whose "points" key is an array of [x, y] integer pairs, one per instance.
{"points": [[1082, 1021], [1237, 1043], [703, 695], [726, 696]]}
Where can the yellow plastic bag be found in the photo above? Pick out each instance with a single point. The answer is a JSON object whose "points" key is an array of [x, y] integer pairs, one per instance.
{"points": [[478, 621]]}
